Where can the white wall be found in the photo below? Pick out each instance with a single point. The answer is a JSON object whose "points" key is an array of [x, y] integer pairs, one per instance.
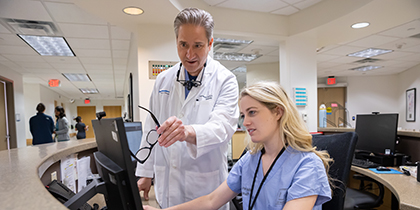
{"points": [[407, 80], [157, 43], [262, 72], [18, 101], [372, 94]]}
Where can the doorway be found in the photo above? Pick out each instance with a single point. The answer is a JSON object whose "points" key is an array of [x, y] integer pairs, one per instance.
{"points": [[4, 144], [8, 115], [87, 113], [334, 99], [112, 111]]}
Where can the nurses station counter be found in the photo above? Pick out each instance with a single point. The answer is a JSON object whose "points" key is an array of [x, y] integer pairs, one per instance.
{"points": [[24, 172]]}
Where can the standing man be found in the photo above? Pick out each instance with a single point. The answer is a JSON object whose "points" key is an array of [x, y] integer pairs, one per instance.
{"points": [[41, 126], [197, 102]]}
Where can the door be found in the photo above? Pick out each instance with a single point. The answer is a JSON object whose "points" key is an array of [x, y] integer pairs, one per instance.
{"points": [[3, 120], [87, 113], [334, 99], [112, 111]]}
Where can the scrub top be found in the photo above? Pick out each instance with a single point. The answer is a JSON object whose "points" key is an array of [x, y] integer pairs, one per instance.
{"points": [[295, 175]]}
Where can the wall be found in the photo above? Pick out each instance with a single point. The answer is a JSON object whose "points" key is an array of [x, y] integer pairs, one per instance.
{"points": [[99, 105], [407, 80], [372, 94], [157, 43], [261, 72], [18, 102]]}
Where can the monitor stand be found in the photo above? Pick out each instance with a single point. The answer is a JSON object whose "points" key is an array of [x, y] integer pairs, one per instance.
{"points": [[93, 188], [383, 160]]}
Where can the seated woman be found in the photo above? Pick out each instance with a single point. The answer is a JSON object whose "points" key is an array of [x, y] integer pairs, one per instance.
{"points": [[281, 170]]}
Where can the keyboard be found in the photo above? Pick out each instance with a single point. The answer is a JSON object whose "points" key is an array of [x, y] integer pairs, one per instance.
{"points": [[364, 163]]}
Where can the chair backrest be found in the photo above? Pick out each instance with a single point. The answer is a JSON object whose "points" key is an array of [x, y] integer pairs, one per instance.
{"points": [[341, 149]]}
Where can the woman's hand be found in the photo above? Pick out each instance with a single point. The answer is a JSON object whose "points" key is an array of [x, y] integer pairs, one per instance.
{"points": [[149, 208]]}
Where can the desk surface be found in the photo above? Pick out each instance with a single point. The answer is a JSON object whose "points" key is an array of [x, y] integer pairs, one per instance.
{"points": [[20, 183], [405, 188]]}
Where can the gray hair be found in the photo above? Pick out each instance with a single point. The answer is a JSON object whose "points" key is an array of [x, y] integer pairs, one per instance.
{"points": [[196, 17]]}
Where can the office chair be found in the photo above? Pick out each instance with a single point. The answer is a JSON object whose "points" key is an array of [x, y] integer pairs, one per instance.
{"points": [[341, 149], [361, 199]]}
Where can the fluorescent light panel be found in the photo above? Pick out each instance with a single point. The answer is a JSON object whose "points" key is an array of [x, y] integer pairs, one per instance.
{"points": [[48, 45], [235, 56], [232, 41], [89, 90], [366, 68], [370, 52], [240, 69], [77, 77]]}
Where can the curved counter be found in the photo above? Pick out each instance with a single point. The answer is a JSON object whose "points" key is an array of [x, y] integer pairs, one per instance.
{"points": [[405, 188], [21, 169]]}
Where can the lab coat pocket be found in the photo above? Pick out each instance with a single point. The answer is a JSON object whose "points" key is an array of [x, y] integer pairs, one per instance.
{"points": [[199, 184], [202, 110], [160, 182]]}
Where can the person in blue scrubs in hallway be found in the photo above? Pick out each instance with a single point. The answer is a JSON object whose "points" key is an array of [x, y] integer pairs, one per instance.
{"points": [[41, 126], [281, 170]]}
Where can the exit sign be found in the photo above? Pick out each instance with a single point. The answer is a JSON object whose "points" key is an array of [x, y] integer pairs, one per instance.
{"points": [[331, 80], [54, 83]]}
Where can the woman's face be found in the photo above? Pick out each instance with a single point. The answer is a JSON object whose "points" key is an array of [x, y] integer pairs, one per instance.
{"points": [[260, 122], [57, 113]]}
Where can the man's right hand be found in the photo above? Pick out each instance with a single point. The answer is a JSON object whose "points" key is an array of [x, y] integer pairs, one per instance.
{"points": [[144, 185]]}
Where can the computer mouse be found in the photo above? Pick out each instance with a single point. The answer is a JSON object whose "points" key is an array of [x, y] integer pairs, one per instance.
{"points": [[382, 168]]}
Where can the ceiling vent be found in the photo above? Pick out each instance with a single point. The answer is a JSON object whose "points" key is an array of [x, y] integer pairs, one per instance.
{"points": [[368, 60], [30, 27]]}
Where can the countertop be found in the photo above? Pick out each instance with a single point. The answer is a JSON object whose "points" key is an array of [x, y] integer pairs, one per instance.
{"points": [[409, 133]]}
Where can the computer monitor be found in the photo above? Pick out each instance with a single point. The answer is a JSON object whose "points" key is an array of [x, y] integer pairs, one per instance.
{"points": [[377, 133], [115, 164], [133, 131]]}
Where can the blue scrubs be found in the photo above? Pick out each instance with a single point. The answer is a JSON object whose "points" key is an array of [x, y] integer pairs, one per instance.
{"points": [[295, 175]]}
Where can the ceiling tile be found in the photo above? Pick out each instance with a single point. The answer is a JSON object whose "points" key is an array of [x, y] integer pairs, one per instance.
{"points": [[120, 53], [120, 61], [25, 58], [214, 2], [343, 50], [17, 50], [4, 30], [35, 65], [27, 10], [324, 57], [80, 43], [102, 61], [325, 65], [413, 49], [120, 44], [405, 30], [401, 44], [62, 66], [414, 57], [92, 53], [84, 31], [286, 11], [393, 55], [373, 41], [252, 5], [305, 4], [11, 39], [120, 33], [70, 13], [61, 59], [99, 70]]}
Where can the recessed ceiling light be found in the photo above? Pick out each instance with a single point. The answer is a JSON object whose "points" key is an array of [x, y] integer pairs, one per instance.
{"points": [[133, 10], [89, 90], [370, 52], [366, 68], [240, 69], [77, 77], [360, 25], [48, 45]]}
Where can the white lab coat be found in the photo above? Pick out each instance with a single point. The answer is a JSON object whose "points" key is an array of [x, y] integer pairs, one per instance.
{"points": [[184, 171]]}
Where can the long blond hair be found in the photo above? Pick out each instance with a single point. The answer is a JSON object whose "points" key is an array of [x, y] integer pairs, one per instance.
{"points": [[292, 128]]}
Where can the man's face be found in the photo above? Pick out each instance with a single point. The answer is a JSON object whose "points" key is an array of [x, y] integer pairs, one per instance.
{"points": [[193, 47]]}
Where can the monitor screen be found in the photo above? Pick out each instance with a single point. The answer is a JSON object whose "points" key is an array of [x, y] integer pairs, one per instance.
{"points": [[115, 166], [134, 133], [377, 133]]}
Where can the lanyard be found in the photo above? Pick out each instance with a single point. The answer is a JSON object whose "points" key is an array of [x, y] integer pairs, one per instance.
{"points": [[265, 177]]}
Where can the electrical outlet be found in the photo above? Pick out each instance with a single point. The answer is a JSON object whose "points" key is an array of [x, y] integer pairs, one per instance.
{"points": [[53, 175]]}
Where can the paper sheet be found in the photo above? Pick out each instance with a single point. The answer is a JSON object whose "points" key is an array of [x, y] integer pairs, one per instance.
{"points": [[83, 171], [68, 171]]}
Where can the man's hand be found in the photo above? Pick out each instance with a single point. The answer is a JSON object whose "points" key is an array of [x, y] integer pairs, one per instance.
{"points": [[173, 130], [144, 185]]}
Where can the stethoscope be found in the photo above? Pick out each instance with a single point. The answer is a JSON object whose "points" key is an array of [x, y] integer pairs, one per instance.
{"points": [[190, 83]]}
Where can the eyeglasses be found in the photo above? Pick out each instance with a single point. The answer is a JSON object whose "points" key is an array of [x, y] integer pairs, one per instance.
{"points": [[189, 83], [152, 137]]}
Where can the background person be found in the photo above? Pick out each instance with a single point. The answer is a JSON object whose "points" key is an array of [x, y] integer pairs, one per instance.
{"points": [[196, 103], [281, 170], [80, 128], [41, 126], [62, 125]]}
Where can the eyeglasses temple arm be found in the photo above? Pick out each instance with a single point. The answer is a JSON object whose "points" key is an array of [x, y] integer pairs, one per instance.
{"points": [[153, 116]]}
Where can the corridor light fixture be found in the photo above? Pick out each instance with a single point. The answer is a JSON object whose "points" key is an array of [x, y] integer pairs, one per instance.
{"points": [[366, 68], [235, 56], [360, 25], [77, 77], [370, 52], [89, 90], [131, 10], [48, 45]]}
